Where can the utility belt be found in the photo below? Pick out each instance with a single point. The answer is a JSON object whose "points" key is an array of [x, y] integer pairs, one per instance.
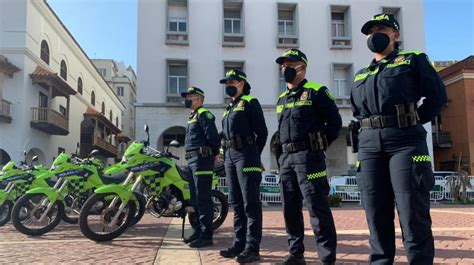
{"points": [[317, 142], [204, 151], [237, 142], [406, 117]]}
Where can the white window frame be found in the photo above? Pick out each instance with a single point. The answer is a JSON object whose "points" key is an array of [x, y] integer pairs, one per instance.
{"points": [[177, 20], [283, 37], [176, 93], [336, 89], [120, 91], [346, 39]]}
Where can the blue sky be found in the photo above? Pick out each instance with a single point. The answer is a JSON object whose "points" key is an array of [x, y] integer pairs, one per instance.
{"points": [[108, 28]]}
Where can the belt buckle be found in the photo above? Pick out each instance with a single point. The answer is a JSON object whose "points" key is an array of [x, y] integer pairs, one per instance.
{"points": [[376, 120]]}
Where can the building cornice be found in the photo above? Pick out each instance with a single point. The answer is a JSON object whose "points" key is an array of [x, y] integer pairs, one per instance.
{"points": [[458, 77]]}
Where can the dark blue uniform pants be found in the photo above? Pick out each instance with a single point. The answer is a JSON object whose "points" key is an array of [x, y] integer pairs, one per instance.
{"points": [[401, 176], [243, 179], [303, 176], [200, 187]]}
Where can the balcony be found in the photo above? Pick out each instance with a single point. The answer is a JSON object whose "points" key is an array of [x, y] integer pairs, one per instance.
{"points": [[105, 147], [49, 121], [5, 115], [442, 140]]}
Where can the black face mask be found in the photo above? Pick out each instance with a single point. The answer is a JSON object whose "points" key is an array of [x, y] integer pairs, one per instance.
{"points": [[231, 91], [289, 74], [188, 103], [378, 42]]}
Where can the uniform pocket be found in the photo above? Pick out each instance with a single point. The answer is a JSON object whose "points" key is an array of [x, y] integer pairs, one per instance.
{"points": [[422, 177]]}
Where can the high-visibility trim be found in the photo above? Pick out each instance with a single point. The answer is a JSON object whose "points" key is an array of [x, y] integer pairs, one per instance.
{"points": [[392, 65], [312, 85], [252, 169], [357, 164], [365, 75], [225, 113], [409, 52], [247, 98], [421, 158], [279, 108], [202, 109], [239, 109], [199, 173], [317, 175], [192, 121]]}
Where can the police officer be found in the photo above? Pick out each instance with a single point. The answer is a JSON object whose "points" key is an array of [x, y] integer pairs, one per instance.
{"points": [[394, 166], [244, 135], [202, 146], [308, 122]]}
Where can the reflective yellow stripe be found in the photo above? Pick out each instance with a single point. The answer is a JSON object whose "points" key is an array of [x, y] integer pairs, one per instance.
{"points": [[365, 75], [409, 52], [421, 158], [197, 173], [239, 109], [391, 65], [357, 164], [317, 175], [225, 113], [252, 169], [247, 98], [192, 121], [279, 108]]}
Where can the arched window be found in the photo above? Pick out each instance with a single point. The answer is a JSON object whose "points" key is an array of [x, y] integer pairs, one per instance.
{"points": [[93, 98], [63, 72], [79, 85], [110, 115], [103, 108], [44, 55]]}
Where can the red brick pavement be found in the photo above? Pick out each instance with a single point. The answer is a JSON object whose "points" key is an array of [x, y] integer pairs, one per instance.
{"points": [[453, 228], [65, 244], [452, 247]]}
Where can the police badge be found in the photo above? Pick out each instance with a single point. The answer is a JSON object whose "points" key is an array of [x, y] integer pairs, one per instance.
{"points": [[304, 96], [400, 58]]}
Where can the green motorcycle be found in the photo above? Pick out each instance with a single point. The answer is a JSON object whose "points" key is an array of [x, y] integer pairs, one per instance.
{"points": [[77, 178], [15, 180], [156, 174]]}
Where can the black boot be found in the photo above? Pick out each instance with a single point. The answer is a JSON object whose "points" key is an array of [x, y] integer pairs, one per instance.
{"points": [[294, 259], [191, 238], [231, 252], [200, 243], [248, 256]]}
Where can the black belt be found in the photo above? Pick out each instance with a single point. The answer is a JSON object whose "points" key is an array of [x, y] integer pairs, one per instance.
{"points": [[238, 143], [295, 147], [203, 151], [379, 121]]}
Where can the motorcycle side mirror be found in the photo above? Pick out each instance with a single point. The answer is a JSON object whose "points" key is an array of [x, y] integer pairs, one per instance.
{"points": [[94, 153], [147, 130], [173, 143]]}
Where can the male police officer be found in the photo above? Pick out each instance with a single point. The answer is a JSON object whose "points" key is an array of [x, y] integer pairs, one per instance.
{"points": [[308, 121], [202, 145]]}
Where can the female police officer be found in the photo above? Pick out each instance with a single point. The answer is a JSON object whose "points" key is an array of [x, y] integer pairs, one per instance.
{"points": [[394, 165], [245, 134]]}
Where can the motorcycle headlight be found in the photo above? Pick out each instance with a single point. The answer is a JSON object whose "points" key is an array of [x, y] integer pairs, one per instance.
{"points": [[124, 160]]}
